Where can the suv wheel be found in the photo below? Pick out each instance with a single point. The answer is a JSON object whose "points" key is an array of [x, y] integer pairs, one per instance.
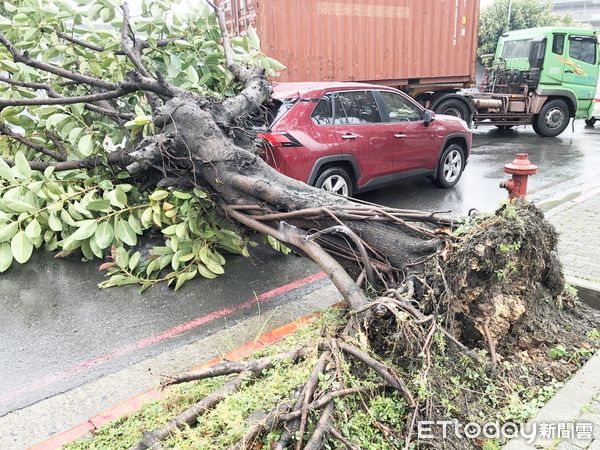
{"points": [[552, 119], [450, 167], [335, 180]]}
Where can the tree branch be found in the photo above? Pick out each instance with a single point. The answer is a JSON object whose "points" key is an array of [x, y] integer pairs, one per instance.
{"points": [[114, 159], [37, 101], [110, 112], [51, 68], [133, 51], [28, 85], [57, 155], [143, 44], [80, 42], [132, 82], [256, 90]]}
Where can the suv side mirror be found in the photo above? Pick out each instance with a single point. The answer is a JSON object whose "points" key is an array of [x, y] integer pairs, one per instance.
{"points": [[428, 117]]}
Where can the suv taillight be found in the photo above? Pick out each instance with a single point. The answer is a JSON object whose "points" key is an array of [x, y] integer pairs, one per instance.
{"points": [[277, 139]]}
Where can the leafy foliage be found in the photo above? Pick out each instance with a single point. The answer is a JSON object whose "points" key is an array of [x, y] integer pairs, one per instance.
{"points": [[100, 212], [493, 20]]}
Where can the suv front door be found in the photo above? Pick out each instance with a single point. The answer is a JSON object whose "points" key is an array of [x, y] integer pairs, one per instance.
{"points": [[414, 147]]}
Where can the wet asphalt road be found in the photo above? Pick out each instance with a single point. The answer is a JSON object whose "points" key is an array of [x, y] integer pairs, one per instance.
{"points": [[57, 331]]}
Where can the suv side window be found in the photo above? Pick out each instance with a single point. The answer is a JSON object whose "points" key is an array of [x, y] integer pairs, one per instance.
{"points": [[583, 49], [558, 44], [399, 108], [323, 112], [356, 107]]}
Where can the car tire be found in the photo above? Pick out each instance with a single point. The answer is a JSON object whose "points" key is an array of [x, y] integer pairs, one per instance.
{"points": [[553, 118], [335, 180], [456, 108], [590, 122], [450, 166]]}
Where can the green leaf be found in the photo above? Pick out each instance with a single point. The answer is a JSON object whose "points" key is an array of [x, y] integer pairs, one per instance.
{"points": [[21, 247], [99, 204], [134, 223], [22, 165], [182, 195], [85, 230], [122, 258], [33, 230], [158, 195], [117, 197], [55, 119], [192, 75], [74, 135], [104, 234], [253, 39], [54, 223], [5, 171], [275, 65], [86, 145], [147, 217], [134, 260], [202, 270], [8, 230], [124, 232], [6, 257]]}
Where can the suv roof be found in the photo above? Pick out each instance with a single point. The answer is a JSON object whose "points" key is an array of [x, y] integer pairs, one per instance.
{"points": [[303, 90]]}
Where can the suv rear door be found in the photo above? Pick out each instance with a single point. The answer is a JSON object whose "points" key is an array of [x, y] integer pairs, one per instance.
{"points": [[361, 133]]}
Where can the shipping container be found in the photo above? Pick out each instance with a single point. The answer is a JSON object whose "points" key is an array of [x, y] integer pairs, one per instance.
{"points": [[415, 44]]}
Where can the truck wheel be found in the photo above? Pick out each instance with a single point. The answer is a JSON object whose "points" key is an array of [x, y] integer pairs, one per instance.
{"points": [[590, 122], [335, 180], [450, 167], [552, 119], [456, 108]]}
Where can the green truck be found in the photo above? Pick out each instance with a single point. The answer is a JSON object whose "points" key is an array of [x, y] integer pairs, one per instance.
{"points": [[541, 77]]}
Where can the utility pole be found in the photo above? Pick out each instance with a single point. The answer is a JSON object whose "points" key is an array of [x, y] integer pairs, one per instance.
{"points": [[509, 8]]}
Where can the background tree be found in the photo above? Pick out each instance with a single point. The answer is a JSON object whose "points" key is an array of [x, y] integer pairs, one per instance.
{"points": [[493, 20]]}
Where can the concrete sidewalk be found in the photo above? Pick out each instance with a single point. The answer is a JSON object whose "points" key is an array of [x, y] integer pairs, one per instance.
{"points": [[571, 419], [577, 222]]}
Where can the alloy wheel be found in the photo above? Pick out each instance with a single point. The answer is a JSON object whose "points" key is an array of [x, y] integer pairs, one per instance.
{"points": [[452, 166], [335, 184]]}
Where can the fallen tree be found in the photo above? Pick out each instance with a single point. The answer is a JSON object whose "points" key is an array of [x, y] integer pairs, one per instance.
{"points": [[185, 164]]}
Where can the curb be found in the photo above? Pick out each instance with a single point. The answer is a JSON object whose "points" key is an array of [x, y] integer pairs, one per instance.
{"points": [[587, 291], [135, 403]]}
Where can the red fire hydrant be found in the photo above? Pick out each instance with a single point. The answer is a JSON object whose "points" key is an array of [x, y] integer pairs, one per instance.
{"points": [[520, 169]]}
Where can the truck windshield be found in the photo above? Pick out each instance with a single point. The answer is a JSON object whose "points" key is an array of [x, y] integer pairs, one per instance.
{"points": [[516, 49]]}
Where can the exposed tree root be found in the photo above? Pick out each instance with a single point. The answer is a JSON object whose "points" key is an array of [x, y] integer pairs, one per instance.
{"points": [[228, 367]]}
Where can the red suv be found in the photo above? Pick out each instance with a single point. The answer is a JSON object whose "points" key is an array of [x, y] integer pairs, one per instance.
{"points": [[354, 137]]}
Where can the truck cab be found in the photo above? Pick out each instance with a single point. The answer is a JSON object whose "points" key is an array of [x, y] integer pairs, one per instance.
{"points": [[542, 77]]}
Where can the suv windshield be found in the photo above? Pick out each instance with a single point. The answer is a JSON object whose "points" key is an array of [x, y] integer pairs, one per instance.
{"points": [[271, 113]]}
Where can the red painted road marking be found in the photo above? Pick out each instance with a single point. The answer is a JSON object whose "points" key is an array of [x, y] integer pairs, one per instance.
{"points": [[150, 340], [135, 403]]}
